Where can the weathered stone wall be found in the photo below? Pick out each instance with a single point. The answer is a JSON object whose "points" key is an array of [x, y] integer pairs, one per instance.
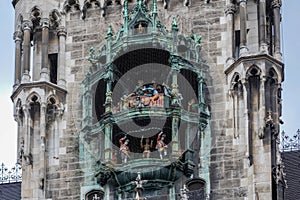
{"points": [[230, 176]]}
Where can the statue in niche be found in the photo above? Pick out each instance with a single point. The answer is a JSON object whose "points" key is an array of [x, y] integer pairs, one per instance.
{"points": [[146, 147], [124, 149], [161, 145]]}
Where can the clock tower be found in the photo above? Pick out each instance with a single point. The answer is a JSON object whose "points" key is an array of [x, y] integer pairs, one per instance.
{"points": [[134, 99]]}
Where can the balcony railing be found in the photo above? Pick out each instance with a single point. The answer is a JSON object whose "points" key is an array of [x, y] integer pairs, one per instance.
{"points": [[10, 175], [290, 143]]}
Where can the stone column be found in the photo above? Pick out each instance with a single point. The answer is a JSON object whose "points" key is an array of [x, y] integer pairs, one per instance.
{"points": [[262, 26], [61, 77], [243, 27], [262, 108], [27, 25], [42, 164], [276, 4], [230, 9], [45, 43], [248, 148], [18, 37], [27, 149]]}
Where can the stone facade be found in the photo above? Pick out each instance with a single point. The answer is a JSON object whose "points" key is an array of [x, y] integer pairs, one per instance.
{"points": [[240, 44]]}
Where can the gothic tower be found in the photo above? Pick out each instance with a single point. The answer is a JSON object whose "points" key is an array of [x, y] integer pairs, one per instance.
{"points": [[134, 99]]}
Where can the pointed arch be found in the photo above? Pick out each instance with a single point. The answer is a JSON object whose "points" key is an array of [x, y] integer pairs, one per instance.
{"points": [[253, 71], [235, 79], [35, 16], [70, 5], [33, 98], [55, 18]]}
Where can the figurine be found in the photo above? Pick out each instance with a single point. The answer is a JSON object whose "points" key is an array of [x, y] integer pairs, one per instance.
{"points": [[146, 148], [124, 149], [161, 146]]}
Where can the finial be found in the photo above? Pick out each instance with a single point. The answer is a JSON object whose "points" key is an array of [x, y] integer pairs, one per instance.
{"points": [[174, 24], [125, 8], [109, 33], [154, 7]]}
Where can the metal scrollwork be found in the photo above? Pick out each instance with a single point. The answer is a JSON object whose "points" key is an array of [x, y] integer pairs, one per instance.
{"points": [[290, 143], [12, 175]]}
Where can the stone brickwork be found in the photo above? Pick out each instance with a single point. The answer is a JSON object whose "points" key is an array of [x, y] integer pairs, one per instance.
{"points": [[241, 161]]}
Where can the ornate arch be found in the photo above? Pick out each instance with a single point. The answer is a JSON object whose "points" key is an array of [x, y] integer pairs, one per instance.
{"points": [[33, 98], [89, 4], [55, 18], [234, 80], [272, 74], [35, 16], [70, 5], [253, 71]]}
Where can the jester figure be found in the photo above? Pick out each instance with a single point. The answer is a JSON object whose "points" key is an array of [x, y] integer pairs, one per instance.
{"points": [[161, 146], [124, 149]]}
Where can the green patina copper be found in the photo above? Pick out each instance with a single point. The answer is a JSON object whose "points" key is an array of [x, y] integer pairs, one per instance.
{"points": [[142, 29]]}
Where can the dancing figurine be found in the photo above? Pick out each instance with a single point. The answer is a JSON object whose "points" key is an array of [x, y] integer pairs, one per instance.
{"points": [[146, 147], [161, 146], [124, 149]]}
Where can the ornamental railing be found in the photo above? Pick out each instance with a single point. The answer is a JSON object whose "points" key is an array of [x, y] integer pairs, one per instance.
{"points": [[188, 195], [290, 143], [10, 175]]}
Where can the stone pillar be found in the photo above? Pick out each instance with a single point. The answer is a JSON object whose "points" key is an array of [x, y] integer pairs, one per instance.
{"points": [[18, 37], [262, 26], [276, 4], [230, 9], [42, 164], [27, 149], [248, 148], [243, 27], [27, 25], [61, 77], [262, 108], [45, 43]]}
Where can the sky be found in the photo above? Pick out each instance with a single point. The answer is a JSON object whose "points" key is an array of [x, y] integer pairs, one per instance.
{"points": [[291, 86]]}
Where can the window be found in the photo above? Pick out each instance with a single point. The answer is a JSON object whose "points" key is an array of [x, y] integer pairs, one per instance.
{"points": [[53, 67]]}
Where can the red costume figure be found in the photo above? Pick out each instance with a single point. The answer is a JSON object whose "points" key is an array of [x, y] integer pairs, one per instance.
{"points": [[124, 149], [161, 146]]}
